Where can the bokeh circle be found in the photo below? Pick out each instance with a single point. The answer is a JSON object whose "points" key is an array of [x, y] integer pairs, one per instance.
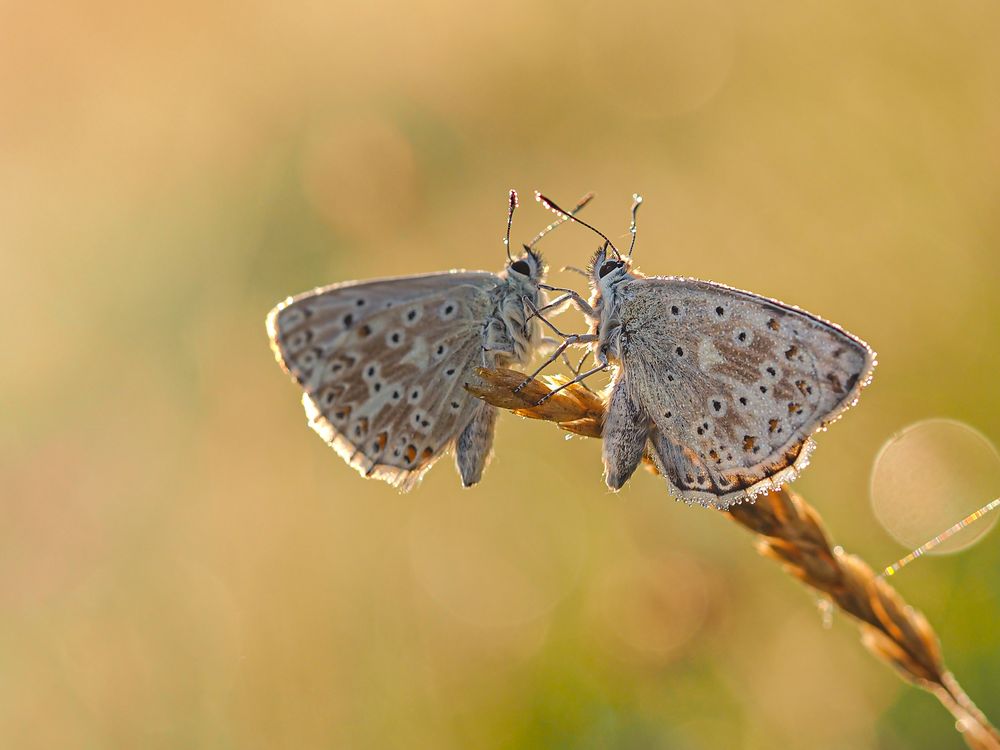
{"points": [[931, 475]]}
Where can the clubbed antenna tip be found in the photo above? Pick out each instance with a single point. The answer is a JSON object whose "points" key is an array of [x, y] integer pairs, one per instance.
{"points": [[549, 204]]}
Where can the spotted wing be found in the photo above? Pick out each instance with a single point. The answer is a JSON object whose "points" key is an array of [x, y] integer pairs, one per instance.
{"points": [[383, 364], [735, 383]]}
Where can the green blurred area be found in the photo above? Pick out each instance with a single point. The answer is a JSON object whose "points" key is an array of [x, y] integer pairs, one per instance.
{"points": [[185, 564]]}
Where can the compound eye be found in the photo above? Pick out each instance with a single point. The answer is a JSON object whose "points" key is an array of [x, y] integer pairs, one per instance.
{"points": [[522, 267], [608, 266]]}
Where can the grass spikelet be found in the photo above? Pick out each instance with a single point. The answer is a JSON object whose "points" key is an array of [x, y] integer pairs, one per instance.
{"points": [[791, 532]]}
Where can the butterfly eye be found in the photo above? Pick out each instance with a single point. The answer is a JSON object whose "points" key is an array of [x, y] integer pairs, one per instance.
{"points": [[522, 267], [608, 266]]}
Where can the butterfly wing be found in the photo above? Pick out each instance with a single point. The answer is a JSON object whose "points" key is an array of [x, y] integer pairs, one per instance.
{"points": [[734, 383], [383, 364]]}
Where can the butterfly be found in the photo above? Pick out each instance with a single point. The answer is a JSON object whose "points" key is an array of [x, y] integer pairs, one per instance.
{"points": [[383, 363], [722, 388]]}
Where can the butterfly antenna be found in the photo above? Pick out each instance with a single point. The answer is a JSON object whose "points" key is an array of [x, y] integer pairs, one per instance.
{"points": [[566, 215], [574, 269], [636, 202], [510, 220], [928, 546], [576, 209]]}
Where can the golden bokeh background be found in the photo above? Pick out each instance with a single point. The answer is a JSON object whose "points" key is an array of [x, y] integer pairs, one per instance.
{"points": [[185, 564]]}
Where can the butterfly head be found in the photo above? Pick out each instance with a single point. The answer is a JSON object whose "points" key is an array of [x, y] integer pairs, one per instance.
{"points": [[527, 269], [608, 268]]}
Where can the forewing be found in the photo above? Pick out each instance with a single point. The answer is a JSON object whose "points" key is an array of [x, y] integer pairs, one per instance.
{"points": [[383, 364], [309, 323], [735, 383]]}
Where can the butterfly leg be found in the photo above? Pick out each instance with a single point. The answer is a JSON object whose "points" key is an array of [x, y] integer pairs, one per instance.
{"points": [[571, 340], [568, 340], [581, 304], [474, 444], [546, 345], [535, 312], [626, 429], [578, 367], [558, 305], [578, 379]]}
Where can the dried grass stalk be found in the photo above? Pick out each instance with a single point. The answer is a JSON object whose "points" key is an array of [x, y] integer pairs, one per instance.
{"points": [[791, 532]]}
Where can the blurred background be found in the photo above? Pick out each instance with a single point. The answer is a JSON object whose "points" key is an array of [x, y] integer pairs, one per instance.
{"points": [[185, 564]]}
